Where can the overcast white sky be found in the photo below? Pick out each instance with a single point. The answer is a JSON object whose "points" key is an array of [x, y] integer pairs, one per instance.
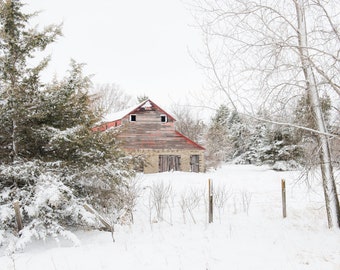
{"points": [[141, 45]]}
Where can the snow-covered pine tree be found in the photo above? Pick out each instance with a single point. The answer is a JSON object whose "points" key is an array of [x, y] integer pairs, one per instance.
{"points": [[267, 143], [303, 116], [19, 83], [285, 148], [91, 163], [255, 146], [50, 160], [238, 134]]}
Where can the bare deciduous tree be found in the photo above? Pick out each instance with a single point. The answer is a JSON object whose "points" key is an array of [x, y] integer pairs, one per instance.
{"points": [[187, 124], [266, 54], [108, 98]]}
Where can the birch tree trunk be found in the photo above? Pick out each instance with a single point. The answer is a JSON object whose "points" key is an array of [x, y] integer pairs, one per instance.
{"points": [[329, 186]]}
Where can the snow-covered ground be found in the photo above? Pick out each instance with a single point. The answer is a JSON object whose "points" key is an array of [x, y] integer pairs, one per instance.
{"points": [[248, 230]]}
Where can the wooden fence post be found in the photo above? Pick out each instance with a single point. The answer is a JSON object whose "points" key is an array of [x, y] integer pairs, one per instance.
{"points": [[18, 217], [284, 206], [211, 201]]}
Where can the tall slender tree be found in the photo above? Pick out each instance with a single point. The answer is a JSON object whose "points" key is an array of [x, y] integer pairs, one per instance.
{"points": [[329, 186], [20, 83]]}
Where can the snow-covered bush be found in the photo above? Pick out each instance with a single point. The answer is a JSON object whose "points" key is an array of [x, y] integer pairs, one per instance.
{"points": [[160, 196], [221, 196], [47, 205], [189, 201], [289, 165]]}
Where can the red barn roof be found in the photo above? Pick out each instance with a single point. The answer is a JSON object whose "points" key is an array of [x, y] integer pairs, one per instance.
{"points": [[148, 134]]}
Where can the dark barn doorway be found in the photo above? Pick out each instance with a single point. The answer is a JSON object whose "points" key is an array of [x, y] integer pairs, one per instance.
{"points": [[169, 163]]}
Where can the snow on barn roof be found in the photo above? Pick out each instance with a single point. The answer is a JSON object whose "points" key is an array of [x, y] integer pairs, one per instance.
{"points": [[121, 114], [117, 115]]}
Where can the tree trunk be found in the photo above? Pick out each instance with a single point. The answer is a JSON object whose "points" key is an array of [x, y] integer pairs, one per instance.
{"points": [[18, 217], [329, 186], [14, 152]]}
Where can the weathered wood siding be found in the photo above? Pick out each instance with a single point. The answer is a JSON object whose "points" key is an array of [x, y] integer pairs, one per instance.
{"points": [[148, 132]]}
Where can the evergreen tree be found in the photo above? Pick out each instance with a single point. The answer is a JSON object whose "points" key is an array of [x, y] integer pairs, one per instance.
{"points": [[50, 160], [238, 134], [20, 83], [286, 149], [142, 98], [304, 116]]}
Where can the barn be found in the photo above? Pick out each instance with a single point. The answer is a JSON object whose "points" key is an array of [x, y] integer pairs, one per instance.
{"points": [[148, 130]]}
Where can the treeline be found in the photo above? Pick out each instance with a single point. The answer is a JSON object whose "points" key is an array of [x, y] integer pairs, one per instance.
{"points": [[230, 136]]}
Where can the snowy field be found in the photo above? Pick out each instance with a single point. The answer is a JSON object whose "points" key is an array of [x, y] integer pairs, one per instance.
{"points": [[172, 231]]}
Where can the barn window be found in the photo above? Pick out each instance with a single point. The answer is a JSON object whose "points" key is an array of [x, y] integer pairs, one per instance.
{"points": [[164, 119], [132, 118]]}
